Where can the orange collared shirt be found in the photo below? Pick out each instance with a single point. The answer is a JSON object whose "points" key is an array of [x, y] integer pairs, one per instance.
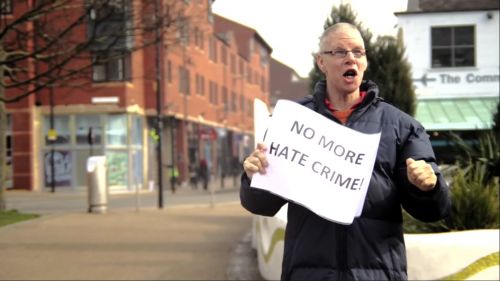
{"points": [[342, 115]]}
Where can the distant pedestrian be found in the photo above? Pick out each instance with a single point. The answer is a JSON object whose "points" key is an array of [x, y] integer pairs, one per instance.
{"points": [[193, 176], [174, 175], [204, 173]]}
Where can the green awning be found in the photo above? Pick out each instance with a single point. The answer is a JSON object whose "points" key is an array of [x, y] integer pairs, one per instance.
{"points": [[472, 113]]}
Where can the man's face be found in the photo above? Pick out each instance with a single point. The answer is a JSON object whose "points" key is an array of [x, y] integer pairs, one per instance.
{"points": [[343, 73]]}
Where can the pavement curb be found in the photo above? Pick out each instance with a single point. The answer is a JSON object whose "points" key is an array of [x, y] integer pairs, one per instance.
{"points": [[243, 264]]}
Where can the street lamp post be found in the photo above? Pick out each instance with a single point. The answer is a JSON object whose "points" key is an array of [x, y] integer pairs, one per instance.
{"points": [[159, 99], [241, 79], [224, 147], [52, 143]]}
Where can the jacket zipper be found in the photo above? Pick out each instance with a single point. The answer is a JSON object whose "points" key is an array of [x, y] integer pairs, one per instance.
{"points": [[341, 251], [359, 111]]}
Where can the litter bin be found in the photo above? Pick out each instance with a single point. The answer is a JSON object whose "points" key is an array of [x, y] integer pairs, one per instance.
{"points": [[96, 181]]}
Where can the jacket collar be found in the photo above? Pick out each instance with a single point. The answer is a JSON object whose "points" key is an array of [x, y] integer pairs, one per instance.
{"points": [[371, 89]]}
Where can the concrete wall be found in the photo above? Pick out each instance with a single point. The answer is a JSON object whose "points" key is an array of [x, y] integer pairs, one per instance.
{"points": [[461, 255]]}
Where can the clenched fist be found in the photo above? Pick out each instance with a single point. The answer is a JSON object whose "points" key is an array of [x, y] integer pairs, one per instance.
{"points": [[420, 174], [256, 162]]}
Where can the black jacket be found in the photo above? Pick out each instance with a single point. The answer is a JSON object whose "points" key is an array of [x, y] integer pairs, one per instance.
{"points": [[372, 247]]}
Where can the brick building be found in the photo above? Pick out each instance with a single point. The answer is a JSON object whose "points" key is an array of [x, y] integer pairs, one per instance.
{"points": [[286, 83], [208, 85]]}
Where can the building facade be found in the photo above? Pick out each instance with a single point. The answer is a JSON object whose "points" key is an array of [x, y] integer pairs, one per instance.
{"points": [[453, 47], [286, 83], [210, 76]]}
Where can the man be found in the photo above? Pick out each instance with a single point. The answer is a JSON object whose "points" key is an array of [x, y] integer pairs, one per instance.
{"points": [[204, 173], [405, 174]]}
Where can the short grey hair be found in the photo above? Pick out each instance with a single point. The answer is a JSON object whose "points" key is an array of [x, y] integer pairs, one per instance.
{"points": [[333, 28]]}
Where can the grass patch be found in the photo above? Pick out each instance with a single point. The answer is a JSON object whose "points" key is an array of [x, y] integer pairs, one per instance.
{"points": [[13, 216]]}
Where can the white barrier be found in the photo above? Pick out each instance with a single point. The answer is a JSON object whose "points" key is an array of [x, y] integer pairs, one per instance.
{"points": [[462, 255]]}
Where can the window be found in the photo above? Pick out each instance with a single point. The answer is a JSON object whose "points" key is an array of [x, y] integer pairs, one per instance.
{"points": [[183, 33], [216, 53], [61, 126], [242, 103], [88, 130], [250, 108], [212, 49], [187, 82], [224, 99], [6, 7], [11, 68], [453, 46], [232, 62], [201, 40], [241, 69], [264, 56], [210, 16], [111, 66], [184, 80], [197, 82], [200, 87], [223, 54], [251, 46], [198, 38], [211, 92], [118, 175], [136, 131], [216, 93], [249, 75], [233, 101], [110, 25], [169, 71], [202, 84], [113, 10], [116, 131]]}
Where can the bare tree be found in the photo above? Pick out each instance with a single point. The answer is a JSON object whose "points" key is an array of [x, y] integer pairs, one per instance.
{"points": [[42, 47]]}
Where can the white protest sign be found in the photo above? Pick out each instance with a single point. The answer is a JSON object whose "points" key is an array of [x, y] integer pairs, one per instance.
{"points": [[260, 119], [317, 163]]}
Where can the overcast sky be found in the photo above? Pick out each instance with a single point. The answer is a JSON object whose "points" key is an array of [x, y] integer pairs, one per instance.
{"points": [[292, 27]]}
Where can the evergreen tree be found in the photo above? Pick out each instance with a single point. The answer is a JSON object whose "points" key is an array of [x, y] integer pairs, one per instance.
{"points": [[392, 73], [496, 122], [387, 65]]}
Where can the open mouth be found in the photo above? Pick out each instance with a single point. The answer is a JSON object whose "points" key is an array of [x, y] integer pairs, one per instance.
{"points": [[351, 73]]}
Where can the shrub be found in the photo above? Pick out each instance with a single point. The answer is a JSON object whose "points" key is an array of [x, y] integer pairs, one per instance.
{"points": [[475, 204], [474, 191], [474, 199]]}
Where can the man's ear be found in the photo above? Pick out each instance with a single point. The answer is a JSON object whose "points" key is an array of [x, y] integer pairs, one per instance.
{"points": [[320, 63]]}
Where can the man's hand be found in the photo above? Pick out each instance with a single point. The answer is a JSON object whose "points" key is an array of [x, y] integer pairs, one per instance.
{"points": [[420, 174], [256, 162]]}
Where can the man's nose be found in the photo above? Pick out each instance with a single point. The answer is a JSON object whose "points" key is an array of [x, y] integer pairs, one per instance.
{"points": [[350, 55], [350, 59]]}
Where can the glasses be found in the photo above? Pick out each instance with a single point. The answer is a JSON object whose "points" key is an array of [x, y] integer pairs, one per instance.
{"points": [[343, 53]]}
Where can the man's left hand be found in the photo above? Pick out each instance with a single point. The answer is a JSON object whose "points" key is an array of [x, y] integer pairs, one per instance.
{"points": [[420, 174]]}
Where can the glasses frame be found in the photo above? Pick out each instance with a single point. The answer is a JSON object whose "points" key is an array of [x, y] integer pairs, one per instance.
{"points": [[341, 53]]}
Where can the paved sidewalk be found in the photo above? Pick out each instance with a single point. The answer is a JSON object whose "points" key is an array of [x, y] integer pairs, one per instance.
{"points": [[66, 200], [188, 239]]}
